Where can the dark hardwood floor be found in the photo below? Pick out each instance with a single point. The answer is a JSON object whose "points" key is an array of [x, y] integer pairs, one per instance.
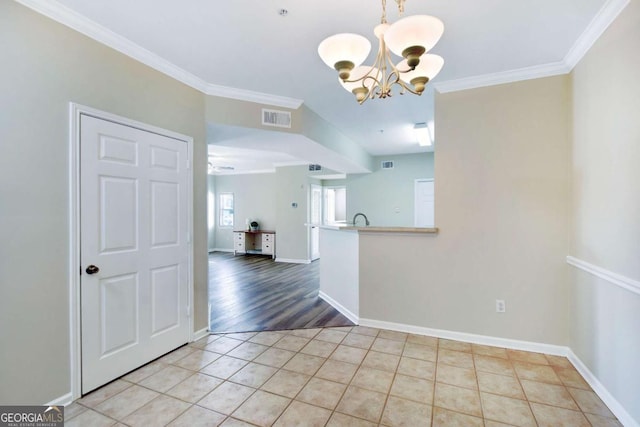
{"points": [[255, 293]]}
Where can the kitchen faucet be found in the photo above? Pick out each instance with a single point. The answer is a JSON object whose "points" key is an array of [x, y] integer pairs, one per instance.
{"points": [[366, 220]]}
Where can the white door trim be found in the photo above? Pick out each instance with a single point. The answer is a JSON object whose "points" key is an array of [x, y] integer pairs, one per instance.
{"points": [[75, 112]]}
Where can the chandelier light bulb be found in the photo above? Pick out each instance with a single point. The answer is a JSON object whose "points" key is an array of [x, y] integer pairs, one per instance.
{"points": [[344, 52], [412, 36]]}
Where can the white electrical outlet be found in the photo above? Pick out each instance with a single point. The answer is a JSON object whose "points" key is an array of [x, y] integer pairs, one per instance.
{"points": [[501, 307]]}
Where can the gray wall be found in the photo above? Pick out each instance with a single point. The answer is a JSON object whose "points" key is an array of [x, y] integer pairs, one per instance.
{"points": [[605, 215], [46, 65], [379, 193], [501, 186], [254, 197]]}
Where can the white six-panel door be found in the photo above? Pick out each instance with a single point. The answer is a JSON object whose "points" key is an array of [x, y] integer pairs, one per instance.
{"points": [[134, 230], [424, 203]]}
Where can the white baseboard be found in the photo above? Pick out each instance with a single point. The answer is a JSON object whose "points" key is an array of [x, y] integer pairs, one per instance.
{"points": [[62, 400], [342, 309], [220, 250], [200, 334], [611, 402], [293, 260], [556, 350]]}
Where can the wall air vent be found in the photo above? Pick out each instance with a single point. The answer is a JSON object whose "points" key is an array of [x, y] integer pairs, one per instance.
{"points": [[315, 167], [386, 164], [277, 118]]}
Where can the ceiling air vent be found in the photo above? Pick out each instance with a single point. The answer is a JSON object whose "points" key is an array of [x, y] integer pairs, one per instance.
{"points": [[315, 167], [281, 119], [387, 164]]}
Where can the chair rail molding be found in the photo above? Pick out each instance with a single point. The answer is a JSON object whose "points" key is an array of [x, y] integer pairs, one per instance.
{"points": [[611, 277]]}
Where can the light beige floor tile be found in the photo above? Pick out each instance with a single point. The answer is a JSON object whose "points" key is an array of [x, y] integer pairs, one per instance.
{"points": [[291, 343], [405, 413], [343, 420], [197, 360], [160, 411], [337, 371], [454, 345], [382, 361], [457, 399], [527, 356], [552, 416], [417, 368], [204, 341], [103, 393], [493, 365], [373, 379], [571, 378], [598, 421], [226, 397], [549, 394], [223, 345], [73, 409], [411, 388], [286, 383], [445, 418], [507, 410], [242, 336], [248, 351], [224, 367], [559, 361], [197, 416], [364, 330], [266, 338], [455, 358], [262, 408], [306, 333], [362, 403], [589, 402], [487, 350], [304, 364], [147, 370], [533, 372], [348, 354], [126, 402], [319, 348], [166, 378], [253, 375], [453, 375], [275, 357], [176, 355], [422, 340], [341, 328], [232, 422], [419, 351], [89, 418], [322, 393], [330, 335], [490, 423], [500, 384], [385, 345], [393, 335], [194, 388], [300, 414], [358, 340]]}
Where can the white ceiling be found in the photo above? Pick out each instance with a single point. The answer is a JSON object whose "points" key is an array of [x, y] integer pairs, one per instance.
{"points": [[247, 44]]}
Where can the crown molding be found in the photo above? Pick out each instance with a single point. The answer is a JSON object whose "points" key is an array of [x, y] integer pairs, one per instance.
{"points": [[251, 96], [528, 73], [605, 17], [70, 18]]}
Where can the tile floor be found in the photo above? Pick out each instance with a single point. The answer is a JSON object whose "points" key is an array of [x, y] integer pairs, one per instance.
{"points": [[347, 376]]}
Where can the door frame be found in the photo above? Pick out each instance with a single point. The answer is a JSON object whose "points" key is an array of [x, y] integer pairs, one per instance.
{"points": [[415, 193], [75, 113]]}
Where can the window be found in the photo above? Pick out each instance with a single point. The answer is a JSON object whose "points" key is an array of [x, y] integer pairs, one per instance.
{"points": [[226, 209]]}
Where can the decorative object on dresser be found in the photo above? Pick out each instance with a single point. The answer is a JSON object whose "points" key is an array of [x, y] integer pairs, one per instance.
{"points": [[261, 242]]}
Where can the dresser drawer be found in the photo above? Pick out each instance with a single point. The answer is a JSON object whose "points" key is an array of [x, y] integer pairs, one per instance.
{"points": [[238, 237]]}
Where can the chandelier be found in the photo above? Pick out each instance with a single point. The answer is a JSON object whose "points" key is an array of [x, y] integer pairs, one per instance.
{"points": [[411, 38]]}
